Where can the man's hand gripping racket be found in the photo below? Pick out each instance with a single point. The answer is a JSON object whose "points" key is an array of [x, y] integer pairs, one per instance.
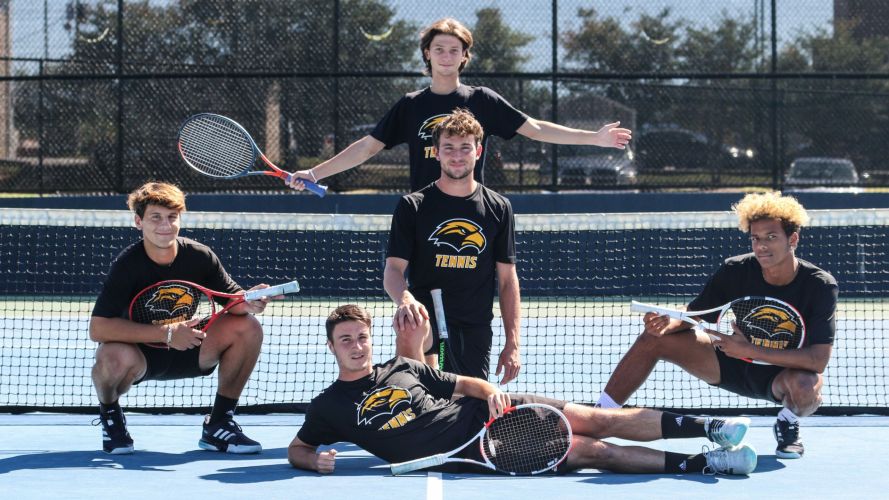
{"points": [[220, 147], [175, 302], [763, 321]]}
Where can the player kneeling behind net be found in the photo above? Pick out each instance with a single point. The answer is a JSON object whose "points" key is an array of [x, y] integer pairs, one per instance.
{"points": [[791, 339], [406, 411], [167, 342]]}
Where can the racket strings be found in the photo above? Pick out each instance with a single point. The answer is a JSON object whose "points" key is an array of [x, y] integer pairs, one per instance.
{"points": [[171, 303], [526, 441], [765, 322], [216, 146]]}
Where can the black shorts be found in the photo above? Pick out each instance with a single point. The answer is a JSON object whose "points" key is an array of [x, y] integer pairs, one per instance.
{"points": [[472, 345], [747, 379], [170, 364]]}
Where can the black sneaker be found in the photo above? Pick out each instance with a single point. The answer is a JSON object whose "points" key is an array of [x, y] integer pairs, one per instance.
{"points": [[116, 439], [787, 435], [226, 435]]}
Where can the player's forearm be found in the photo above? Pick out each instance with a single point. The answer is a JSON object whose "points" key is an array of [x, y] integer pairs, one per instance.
{"points": [[511, 310], [554, 133], [474, 387], [355, 154], [122, 330], [811, 358], [395, 285]]}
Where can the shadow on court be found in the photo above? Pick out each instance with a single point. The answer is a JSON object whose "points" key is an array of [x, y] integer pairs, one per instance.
{"points": [[345, 466], [144, 460], [141, 460]]}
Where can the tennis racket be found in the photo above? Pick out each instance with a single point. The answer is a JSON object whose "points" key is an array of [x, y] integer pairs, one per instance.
{"points": [[528, 439], [438, 305], [217, 146], [764, 321], [174, 301]]}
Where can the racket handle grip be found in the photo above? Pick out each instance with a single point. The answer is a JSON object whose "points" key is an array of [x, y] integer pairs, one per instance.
{"points": [[311, 186], [642, 307], [282, 289], [417, 464], [438, 305]]}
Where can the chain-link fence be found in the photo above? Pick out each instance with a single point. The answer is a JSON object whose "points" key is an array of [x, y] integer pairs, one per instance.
{"points": [[719, 94]]}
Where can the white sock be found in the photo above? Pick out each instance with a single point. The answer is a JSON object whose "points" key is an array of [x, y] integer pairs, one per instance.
{"points": [[788, 416], [605, 401]]}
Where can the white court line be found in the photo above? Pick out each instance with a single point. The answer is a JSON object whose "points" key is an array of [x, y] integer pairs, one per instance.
{"points": [[433, 486]]}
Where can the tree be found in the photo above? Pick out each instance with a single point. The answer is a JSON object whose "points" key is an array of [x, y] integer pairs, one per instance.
{"points": [[497, 48], [241, 41], [837, 117]]}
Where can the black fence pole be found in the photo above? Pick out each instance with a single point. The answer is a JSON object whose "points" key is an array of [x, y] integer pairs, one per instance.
{"points": [[773, 108], [119, 70], [335, 67], [41, 139], [554, 115]]}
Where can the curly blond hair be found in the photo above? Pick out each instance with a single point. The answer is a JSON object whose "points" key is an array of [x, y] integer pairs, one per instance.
{"points": [[759, 206]]}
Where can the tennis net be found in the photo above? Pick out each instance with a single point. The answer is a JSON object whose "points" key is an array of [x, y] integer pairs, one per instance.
{"points": [[578, 273]]}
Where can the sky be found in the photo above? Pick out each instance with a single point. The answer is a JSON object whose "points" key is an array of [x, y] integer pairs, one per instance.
{"points": [[30, 32]]}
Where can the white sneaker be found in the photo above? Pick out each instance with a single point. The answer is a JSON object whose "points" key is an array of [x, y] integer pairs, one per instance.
{"points": [[727, 432], [740, 460]]}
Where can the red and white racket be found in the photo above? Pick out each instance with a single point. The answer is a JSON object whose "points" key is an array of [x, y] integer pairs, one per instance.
{"points": [[173, 301]]}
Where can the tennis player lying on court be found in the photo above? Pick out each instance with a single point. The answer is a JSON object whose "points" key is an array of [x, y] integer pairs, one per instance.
{"points": [[403, 409], [130, 353], [788, 376]]}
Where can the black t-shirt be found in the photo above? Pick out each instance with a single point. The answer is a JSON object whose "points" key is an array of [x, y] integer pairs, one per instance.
{"points": [[413, 118], [454, 243], [133, 271], [401, 411], [813, 292]]}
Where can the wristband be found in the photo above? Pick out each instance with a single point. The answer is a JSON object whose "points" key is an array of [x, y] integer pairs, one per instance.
{"points": [[169, 334], [314, 179]]}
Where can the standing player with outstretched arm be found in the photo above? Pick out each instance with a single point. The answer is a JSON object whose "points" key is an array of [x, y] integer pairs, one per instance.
{"points": [[445, 47], [790, 377], [402, 410], [455, 235], [130, 353]]}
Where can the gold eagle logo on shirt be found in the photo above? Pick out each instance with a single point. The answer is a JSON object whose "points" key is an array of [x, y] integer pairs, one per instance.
{"points": [[459, 234], [391, 402], [173, 300], [771, 325], [428, 126]]}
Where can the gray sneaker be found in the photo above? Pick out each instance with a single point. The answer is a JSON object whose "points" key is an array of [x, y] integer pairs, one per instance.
{"points": [[740, 460], [727, 432]]}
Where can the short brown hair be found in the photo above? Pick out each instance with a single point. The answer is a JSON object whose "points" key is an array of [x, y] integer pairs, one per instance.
{"points": [[344, 313], [446, 26], [785, 209], [461, 122], [156, 193]]}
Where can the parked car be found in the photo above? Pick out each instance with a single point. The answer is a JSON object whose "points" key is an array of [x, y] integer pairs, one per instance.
{"points": [[821, 171], [671, 148], [592, 166]]}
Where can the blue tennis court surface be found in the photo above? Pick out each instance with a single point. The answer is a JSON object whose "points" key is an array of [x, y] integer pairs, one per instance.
{"points": [[57, 456]]}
